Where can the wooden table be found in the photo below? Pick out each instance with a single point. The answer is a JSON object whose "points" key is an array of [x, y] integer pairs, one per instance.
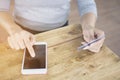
{"points": [[64, 61]]}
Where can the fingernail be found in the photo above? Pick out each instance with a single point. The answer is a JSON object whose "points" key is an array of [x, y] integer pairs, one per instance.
{"points": [[33, 55]]}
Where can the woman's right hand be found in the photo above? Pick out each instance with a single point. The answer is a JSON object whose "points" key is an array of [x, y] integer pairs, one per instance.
{"points": [[22, 39], [19, 38]]}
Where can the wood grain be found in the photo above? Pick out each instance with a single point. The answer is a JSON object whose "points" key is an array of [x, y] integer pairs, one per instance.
{"points": [[64, 61]]}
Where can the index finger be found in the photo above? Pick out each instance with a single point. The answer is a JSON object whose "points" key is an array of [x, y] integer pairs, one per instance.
{"points": [[29, 47], [99, 32]]}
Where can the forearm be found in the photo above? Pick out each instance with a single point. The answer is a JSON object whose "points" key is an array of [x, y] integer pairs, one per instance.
{"points": [[7, 22], [88, 12]]}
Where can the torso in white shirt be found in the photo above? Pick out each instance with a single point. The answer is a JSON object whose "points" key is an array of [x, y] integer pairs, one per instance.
{"points": [[41, 15]]}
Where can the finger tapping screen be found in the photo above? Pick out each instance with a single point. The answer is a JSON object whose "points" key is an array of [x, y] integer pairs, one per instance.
{"points": [[39, 61]]}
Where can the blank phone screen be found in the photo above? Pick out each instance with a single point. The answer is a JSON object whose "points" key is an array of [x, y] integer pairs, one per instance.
{"points": [[39, 61]]}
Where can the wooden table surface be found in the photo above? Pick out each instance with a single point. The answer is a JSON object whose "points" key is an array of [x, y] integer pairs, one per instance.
{"points": [[64, 61]]}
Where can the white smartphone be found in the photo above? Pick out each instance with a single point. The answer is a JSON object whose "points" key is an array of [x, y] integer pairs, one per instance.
{"points": [[37, 64]]}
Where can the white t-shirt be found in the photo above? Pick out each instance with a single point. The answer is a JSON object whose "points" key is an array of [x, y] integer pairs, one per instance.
{"points": [[41, 15]]}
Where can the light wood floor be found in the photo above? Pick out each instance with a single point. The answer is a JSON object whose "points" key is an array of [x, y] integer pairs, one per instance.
{"points": [[108, 20]]}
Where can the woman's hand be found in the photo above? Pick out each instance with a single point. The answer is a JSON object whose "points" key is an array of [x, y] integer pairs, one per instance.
{"points": [[21, 40], [90, 34]]}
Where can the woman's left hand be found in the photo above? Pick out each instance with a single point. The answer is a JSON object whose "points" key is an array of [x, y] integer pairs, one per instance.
{"points": [[90, 34]]}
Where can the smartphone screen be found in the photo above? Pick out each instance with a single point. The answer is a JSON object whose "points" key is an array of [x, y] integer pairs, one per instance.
{"points": [[37, 62]]}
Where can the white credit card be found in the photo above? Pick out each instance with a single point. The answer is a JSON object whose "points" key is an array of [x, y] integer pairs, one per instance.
{"points": [[89, 43]]}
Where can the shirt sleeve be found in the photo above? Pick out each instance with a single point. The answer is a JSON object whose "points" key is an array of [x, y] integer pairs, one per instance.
{"points": [[4, 5], [86, 6]]}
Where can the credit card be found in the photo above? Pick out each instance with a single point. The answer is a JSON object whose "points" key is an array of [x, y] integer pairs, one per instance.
{"points": [[91, 42]]}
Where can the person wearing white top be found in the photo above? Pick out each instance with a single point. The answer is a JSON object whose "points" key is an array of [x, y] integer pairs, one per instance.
{"points": [[44, 15]]}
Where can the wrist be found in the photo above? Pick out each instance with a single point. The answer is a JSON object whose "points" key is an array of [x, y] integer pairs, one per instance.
{"points": [[86, 26], [14, 29], [88, 21]]}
